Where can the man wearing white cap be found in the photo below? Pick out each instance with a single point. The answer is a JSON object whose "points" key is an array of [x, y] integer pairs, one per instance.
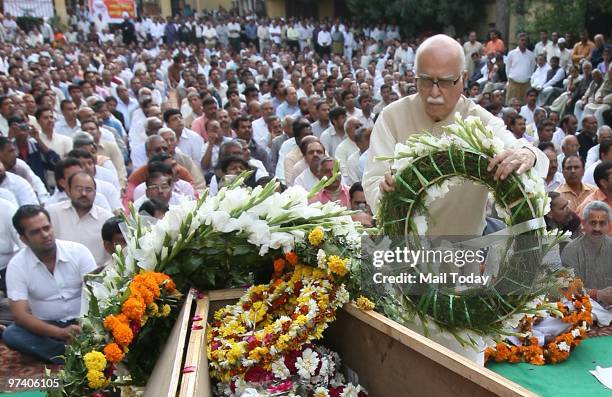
{"points": [[558, 49]]}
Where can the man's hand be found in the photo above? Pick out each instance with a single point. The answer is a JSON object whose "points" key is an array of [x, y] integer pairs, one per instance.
{"points": [[605, 296], [388, 184], [68, 332], [519, 160]]}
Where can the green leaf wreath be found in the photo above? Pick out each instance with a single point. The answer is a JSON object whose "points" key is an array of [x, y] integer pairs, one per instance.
{"points": [[426, 167]]}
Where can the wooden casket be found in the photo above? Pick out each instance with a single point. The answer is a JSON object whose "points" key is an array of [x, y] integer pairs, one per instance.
{"points": [[388, 359]]}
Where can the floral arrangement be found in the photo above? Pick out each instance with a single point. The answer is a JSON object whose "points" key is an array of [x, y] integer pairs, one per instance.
{"points": [[312, 370], [574, 310], [427, 167], [93, 359], [271, 319], [224, 241]]}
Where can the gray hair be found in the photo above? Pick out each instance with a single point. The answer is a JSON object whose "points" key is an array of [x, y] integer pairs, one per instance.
{"points": [[228, 144], [166, 130], [441, 39], [82, 139], [287, 120], [596, 206], [324, 160], [150, 139], [360, 134], [348, 119], [538, 111], [567, 138], [602, 129], [149, 121]]}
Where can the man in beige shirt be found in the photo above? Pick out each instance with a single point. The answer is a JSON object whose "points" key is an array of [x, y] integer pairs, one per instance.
{"points": [[573, 190], [440, 66], [79, 219]]}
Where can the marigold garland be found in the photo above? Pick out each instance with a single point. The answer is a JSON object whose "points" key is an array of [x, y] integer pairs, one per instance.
{"points": [[144, 289], [271, 319], [560, 348]]}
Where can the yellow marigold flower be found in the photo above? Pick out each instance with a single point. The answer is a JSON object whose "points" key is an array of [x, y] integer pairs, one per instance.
{"points": [[113, 353], [258, 353], [315, 236], [337, 265], [364, 303], [133, 307], [95, 361], [153, 309], [165, 311], [96, 379]]}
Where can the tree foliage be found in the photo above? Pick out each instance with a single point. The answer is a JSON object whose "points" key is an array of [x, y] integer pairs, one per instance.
{"points": [[415, 16], [557, 15]]}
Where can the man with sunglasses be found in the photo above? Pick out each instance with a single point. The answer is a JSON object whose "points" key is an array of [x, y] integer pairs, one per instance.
{"points": [[440, 70]]}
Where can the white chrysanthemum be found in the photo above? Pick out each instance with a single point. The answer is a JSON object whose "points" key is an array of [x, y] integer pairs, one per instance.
{"points": [[321, 392], [307, 364], [280, 370], [250, 392], [321, 259], [564, 347], [342, 295], [351, 390]]}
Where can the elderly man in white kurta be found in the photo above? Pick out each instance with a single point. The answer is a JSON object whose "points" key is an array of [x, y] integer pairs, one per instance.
{"points": [[440, 67]]}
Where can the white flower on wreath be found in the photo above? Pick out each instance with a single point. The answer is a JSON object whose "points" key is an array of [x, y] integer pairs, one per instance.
{"points": [[307, 364], [420, 222], [321, 392], [250, 392], [280, 370], [564, 347], [351, 390], [576, 333], [342, 296]]}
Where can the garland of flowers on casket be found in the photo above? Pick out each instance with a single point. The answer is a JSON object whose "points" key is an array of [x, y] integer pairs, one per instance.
{"points": [[426, 168], [235, 238]]}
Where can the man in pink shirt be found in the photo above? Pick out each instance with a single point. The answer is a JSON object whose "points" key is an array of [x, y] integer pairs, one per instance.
{"points": [[336, 191]]}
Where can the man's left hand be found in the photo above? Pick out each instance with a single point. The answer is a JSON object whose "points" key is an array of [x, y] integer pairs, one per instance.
{"points": [[519, 160]]}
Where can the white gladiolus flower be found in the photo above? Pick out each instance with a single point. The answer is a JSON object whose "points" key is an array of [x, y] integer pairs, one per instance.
{"points": [[421, 224], [307, 364]]}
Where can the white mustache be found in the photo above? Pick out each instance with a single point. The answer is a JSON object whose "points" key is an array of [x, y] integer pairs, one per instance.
{"points": [[435, 101]]}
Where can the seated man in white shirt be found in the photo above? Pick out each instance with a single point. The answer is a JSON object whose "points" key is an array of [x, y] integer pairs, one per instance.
{"points": [[18, 186], [9, 240], [313, 152], [105, 169], [44, 282], [79, 219], [165, 163], [160, 185]]}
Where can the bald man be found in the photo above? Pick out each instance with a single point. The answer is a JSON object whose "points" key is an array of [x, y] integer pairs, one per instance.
{"points": [[440, 69]]}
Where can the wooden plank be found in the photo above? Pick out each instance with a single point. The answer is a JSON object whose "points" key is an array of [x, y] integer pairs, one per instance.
{"points": [[197, 383], [165, 378], [392, 360], [226, 294]]}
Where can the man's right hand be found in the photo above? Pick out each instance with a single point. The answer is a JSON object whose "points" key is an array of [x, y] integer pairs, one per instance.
{"points": [[388, 184], [605, 296], [68, 332]]}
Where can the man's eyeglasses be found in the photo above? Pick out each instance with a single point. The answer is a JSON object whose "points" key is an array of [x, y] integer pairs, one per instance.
{"points": [[443, 84], [164, 187]]}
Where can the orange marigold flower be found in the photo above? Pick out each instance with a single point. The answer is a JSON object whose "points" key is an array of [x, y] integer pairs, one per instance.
{"points": [[123, 334], [292, 258], [113, 353], [111, 321], [279, 266], [134, 307]]}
